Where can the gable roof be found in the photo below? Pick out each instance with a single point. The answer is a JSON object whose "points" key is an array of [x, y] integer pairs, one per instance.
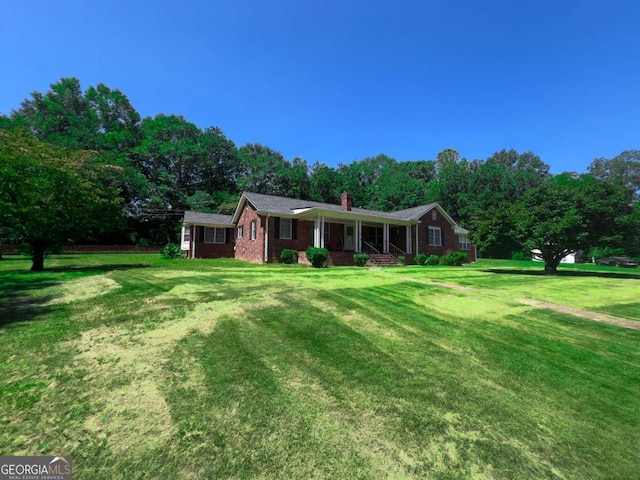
{"points": [[293, 207], [207, 219], [274, 205]]}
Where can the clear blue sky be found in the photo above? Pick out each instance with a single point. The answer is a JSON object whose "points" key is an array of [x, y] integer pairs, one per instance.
{"points": [[337, 81]]}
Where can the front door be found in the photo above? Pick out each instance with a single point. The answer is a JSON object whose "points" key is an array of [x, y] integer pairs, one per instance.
{"points": [[348, 237]]}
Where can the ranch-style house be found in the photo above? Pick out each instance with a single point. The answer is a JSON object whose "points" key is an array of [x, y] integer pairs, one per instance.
{"points": [[263, 225]]}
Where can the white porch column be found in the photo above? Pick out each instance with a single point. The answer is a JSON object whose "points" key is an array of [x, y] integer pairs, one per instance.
{"points": [[408, 235], [193, 234], [316, 232], [385, 238], [417, 243], [358, 235]]}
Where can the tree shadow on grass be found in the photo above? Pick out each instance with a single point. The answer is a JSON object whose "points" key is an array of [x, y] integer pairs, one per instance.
{"points": [[82, 269], [17, 303], [564, 273], [17, 287], [97, 269]]}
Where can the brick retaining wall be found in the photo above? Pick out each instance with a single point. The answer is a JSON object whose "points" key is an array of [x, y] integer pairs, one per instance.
{"points": [[79, 249]]}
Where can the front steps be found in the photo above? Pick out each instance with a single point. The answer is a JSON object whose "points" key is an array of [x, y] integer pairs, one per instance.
{"points": [[383, 260]]}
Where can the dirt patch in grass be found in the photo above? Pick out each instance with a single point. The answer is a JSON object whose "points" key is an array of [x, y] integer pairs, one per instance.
{"points": [[126, 374], [81, 289], [597, 317], [451, 286]]}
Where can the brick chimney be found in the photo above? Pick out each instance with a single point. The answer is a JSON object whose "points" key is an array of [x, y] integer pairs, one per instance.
{"points": [[347, 201]]}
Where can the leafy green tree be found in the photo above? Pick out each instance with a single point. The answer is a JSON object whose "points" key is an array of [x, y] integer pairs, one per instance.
{"points": [[361, 177], [51, 196], [473, 192], [257, 168], [400, 185], [100, 119], [624, 168], [326, 183], [263, 170], [118, 123], [446, 157], [495, 235], [566, 214], [170, 157], [220, 164], [293, 179], [452, 184], [61, 116]]}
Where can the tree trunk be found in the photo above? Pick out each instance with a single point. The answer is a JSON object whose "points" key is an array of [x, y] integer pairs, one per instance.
{"points": [[551, 266], [37, 257]]}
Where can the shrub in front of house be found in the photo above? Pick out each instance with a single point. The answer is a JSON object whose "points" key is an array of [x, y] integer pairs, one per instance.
{"points": [[172, 251], [432, 260], [454, 259], [520, 256], [420, 259], [289, 256], [402, 260], [360, 259], [317, 256]]}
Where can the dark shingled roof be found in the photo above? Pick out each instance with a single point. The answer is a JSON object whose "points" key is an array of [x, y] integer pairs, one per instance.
{"points": [[286, 206], [199, 218]]}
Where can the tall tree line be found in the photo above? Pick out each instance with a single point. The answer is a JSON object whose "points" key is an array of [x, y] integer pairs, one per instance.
{"points": [[164, 165]]}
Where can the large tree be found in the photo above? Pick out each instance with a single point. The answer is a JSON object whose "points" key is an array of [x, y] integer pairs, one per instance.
{"points": [[567, 214], [624, 168], [99, 119], [263, 170], [326, 184], [51, 196]]}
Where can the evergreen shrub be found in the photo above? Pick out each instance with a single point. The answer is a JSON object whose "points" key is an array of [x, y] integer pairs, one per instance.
{"points": [[360, 259], [317, 256], [289, 256]]}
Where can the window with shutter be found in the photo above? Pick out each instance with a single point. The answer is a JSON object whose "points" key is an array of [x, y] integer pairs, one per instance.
{"points": [[215, 235], [285, 228], [435, 236]]}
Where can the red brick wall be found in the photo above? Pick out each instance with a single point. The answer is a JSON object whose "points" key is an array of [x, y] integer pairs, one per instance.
{"points": [[210, 250], [304, 238], [471, 254], [450, 241], [247, 249]]}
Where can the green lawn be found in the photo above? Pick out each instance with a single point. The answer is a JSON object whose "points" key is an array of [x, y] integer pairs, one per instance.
{"points": [[139, 367]]}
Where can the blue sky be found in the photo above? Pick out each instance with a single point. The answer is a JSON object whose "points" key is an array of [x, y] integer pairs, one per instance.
{"points": [[337, 81]]}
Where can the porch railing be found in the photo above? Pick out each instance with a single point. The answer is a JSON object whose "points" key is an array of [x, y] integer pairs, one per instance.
{"points": [[396, 251], [368, 248]]}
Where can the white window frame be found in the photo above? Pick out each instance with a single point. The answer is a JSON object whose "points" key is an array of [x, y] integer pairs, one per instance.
{"points": [[254, 230], [464, 243], [327, 234], [240, 231], [186, 233], [284, 233], [213, 234], [431, 236]]}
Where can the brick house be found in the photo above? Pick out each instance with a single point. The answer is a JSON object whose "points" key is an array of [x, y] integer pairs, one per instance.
{"points": [[263, 225]]}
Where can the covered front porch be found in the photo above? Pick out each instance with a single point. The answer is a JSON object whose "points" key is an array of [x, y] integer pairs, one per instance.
{"points": [[363, 235]]}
